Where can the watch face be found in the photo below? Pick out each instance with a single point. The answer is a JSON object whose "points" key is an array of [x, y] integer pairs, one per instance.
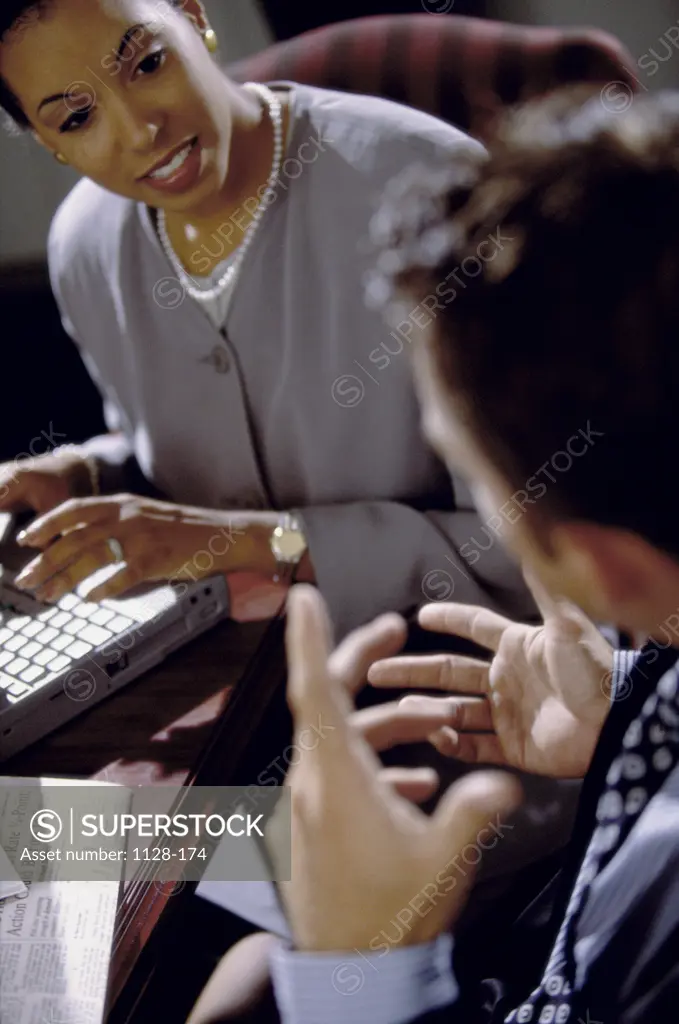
{"points": [[288, 545]]}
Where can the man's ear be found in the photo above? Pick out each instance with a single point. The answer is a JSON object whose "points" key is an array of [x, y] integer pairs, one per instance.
{"points": [[630, 581]]}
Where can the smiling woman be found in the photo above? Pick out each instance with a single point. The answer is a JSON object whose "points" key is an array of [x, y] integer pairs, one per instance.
{"points": [[209, 266]]}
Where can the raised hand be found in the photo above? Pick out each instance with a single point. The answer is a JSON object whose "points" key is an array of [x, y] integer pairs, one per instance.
{"points": [[538, 705], [361, 852]]}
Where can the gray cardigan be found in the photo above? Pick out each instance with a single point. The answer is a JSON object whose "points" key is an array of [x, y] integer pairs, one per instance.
{"points": [[305, 400]]}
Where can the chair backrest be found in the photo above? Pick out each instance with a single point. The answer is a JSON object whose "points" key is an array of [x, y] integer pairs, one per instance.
{"points": [[465, 70]]}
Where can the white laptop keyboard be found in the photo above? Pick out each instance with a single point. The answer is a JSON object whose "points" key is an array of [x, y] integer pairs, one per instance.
{"points": [[36, 647]]}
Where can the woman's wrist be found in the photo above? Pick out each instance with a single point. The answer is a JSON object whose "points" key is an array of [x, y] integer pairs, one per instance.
{"points": [[251, 550]]}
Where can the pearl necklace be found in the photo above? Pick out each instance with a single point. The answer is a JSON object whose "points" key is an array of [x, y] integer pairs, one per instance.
{"points": [[273, 105]]}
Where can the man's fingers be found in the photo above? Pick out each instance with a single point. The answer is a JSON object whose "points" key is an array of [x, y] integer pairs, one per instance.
{"points": [[313, 694], [547, 605], [469, 714], [414, 784], [414, 719], [432, 672], [480, 625], [350, 662], [473, 748], [474, 809], [411, 720]]}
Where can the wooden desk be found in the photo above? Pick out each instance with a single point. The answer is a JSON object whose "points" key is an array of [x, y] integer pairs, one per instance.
{"points": [[191, 719], [152, 731]]}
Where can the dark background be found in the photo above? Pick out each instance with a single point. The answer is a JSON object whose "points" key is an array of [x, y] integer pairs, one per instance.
{"points": [[289, 19], [45, 384]]}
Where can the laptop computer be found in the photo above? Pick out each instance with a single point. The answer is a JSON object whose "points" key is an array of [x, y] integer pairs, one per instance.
{"points": [[58, 660]]}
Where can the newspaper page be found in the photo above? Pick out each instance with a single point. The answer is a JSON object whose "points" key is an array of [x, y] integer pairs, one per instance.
{"points": [[10, 883], [56, 939]]}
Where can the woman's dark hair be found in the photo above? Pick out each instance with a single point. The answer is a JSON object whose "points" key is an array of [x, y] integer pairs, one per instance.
{"points": [[16, 16], [550, 270]]}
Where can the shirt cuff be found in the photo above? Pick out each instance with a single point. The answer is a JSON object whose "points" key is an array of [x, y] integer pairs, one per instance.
{"points": [[623, 663], [394, 987]]}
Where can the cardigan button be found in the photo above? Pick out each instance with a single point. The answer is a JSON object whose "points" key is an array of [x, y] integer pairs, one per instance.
{"points": [[218, 359]]}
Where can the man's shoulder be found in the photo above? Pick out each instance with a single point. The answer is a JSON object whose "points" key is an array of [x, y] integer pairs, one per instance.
{"points": [[86, 228], [373, 131]]}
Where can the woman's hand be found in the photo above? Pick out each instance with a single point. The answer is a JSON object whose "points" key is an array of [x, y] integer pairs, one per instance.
{"points": [[43, 482], [538, 705], [159, 541], [362, 855]]}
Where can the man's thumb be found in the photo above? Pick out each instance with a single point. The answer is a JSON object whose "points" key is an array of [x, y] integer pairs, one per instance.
{"points": [[473, 811]]}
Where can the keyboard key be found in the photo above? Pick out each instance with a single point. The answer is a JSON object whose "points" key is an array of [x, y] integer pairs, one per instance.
{"points": [[95, 635], [31, 674], [74, 626], [33, 628], [120, 623], [16, 642], [63, 640], [47, 614], [16, 666], [47, 635], [61, 662], [5, 657], [101, 616], [85, 609], [6, 681], [18, 622], [68, 601], [5, 634], [19, 689], [30, 649], [78, 649], [45, 656], [60, 620]]}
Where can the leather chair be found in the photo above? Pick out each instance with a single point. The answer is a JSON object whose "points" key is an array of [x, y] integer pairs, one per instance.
{"points": [[464, 70]]}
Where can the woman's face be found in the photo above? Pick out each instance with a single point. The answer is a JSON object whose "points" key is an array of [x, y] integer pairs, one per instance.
{"points": [[127, 92]]}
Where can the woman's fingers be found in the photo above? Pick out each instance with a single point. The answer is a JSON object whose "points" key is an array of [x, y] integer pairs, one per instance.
{"points": [[453, 672], [90, 561], [127, 577], [479, 625], [414, 784], [76, 512], [474, 748], [65, 554], [12, 488]]}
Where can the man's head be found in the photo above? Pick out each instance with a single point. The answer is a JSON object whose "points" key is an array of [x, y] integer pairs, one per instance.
{"points": [[549, 373]]}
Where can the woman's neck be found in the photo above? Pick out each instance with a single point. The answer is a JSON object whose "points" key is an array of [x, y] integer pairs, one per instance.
{"points": [[251, 157], [218, 229]]}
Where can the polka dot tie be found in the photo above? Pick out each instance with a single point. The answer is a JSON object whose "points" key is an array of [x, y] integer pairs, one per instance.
{"points": [[650, 750]]}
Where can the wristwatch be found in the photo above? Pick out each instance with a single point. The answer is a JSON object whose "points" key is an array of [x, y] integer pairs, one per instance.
{"points": [[288, 545]]}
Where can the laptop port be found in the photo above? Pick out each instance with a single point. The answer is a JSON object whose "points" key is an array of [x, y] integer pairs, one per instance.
{"points": [[114, 668]]}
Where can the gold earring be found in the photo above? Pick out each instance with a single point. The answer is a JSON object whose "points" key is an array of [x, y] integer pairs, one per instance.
{"points": [[60, 158], [210, 37]]}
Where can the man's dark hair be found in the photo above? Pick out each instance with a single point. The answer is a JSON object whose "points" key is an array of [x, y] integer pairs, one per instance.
{"points": [[15, 16], [573, 324]]}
